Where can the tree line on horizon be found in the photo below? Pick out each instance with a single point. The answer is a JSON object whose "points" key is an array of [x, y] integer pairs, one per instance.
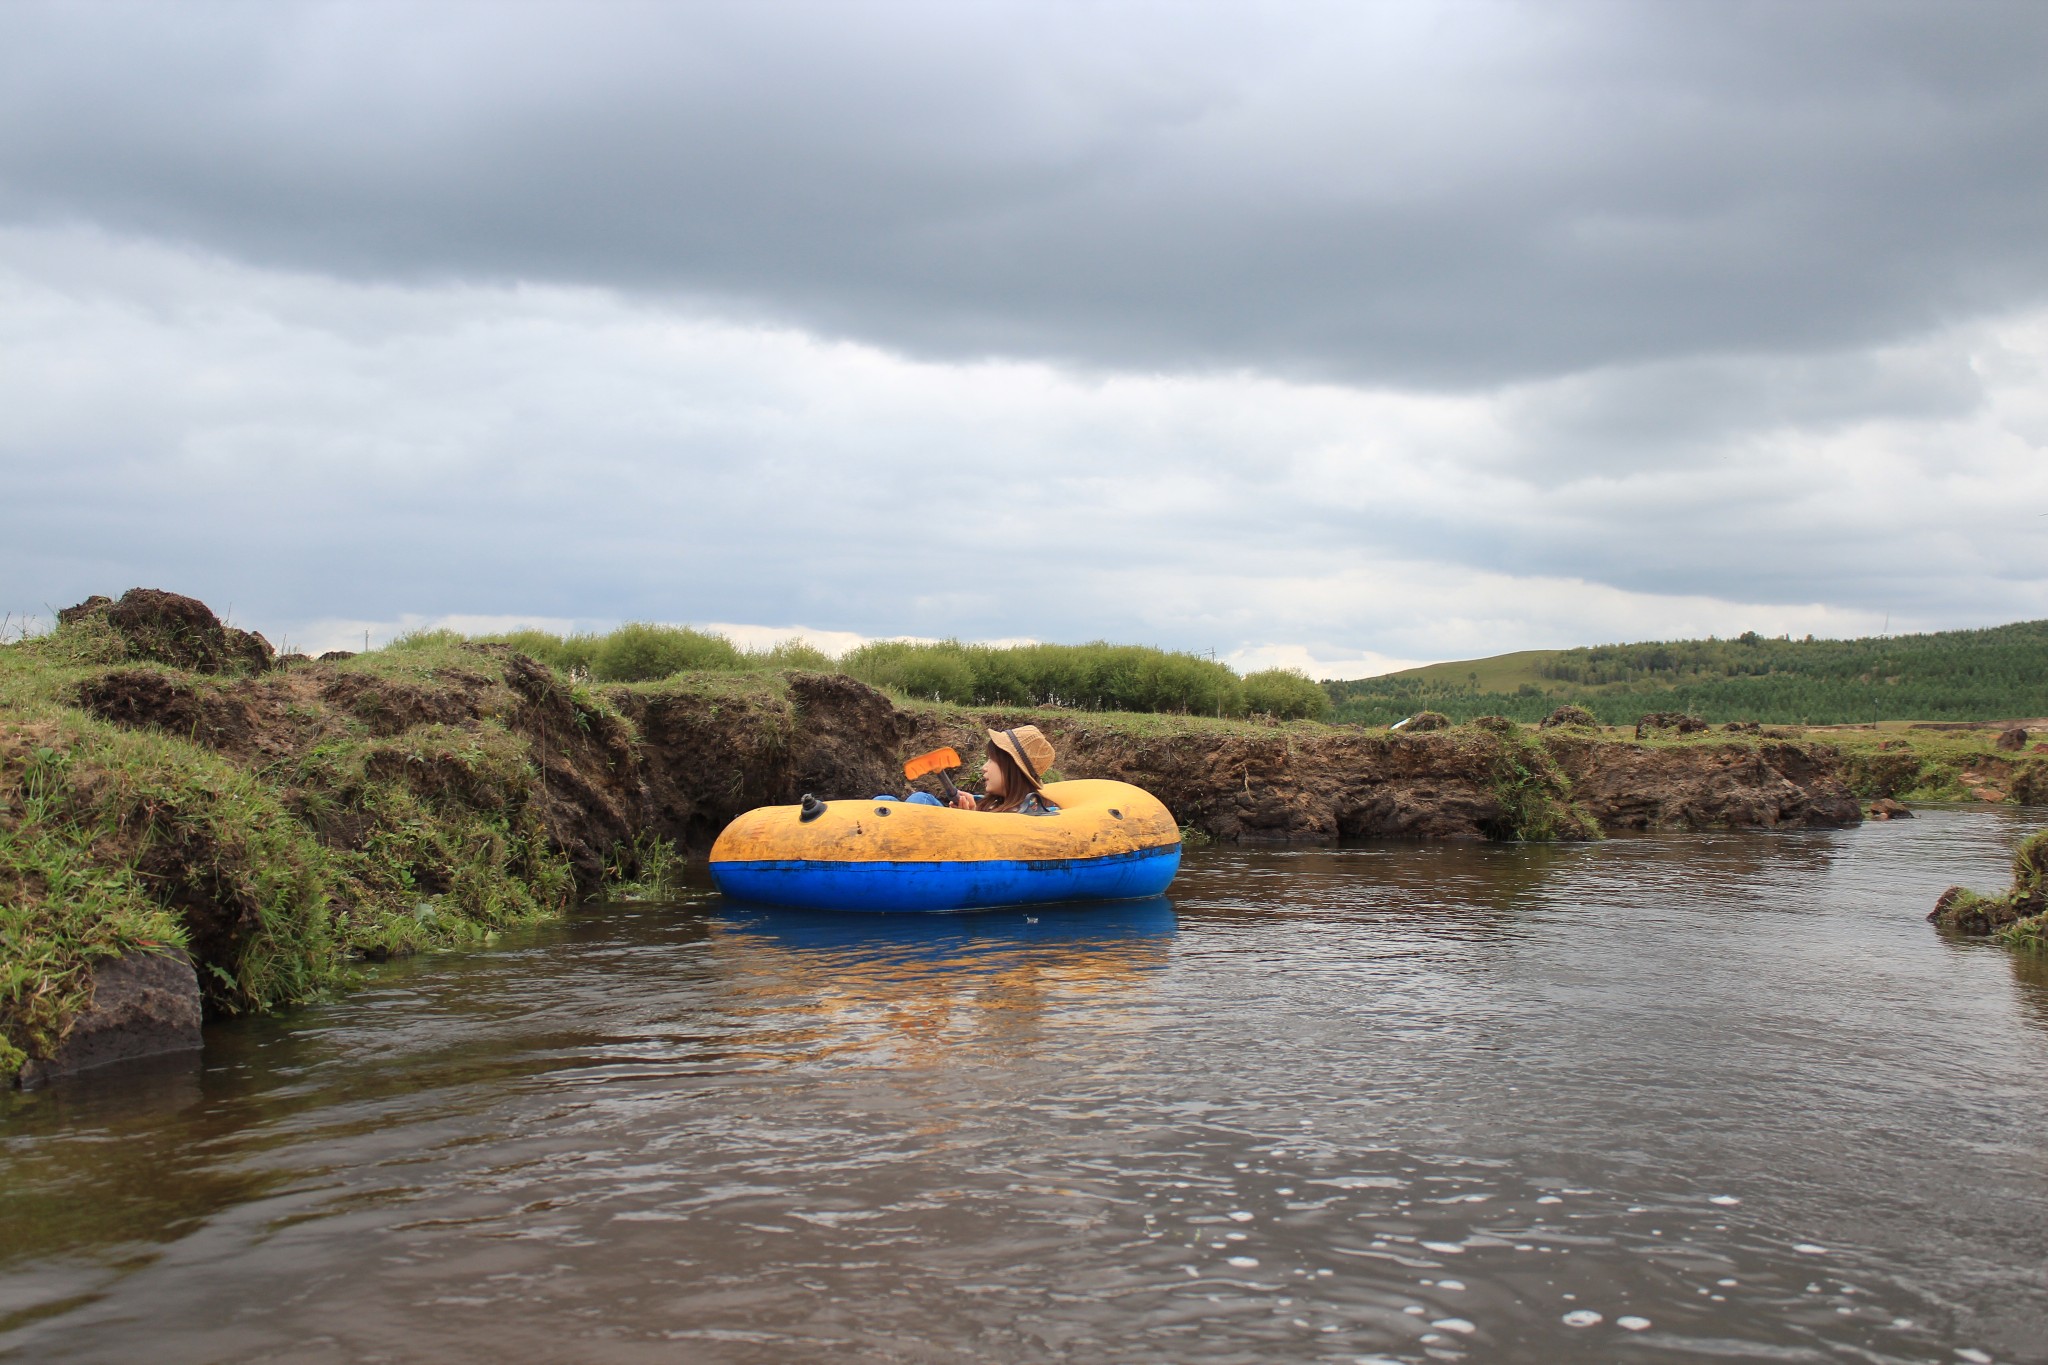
{"points": [[1994, 673]]}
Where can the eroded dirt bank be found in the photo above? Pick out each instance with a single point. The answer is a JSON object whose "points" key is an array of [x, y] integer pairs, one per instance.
{"points": [[678, 760], [1308, 782]]}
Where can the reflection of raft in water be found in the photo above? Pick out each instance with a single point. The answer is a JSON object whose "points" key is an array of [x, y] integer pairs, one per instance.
{"points": [[1128, 934], [1109, 841]]}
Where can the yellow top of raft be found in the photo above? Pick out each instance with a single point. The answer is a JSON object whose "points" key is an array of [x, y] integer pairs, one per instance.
{"points": [[1096, 819]]}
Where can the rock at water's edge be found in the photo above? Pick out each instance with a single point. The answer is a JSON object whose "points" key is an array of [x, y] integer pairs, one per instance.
{"points": [[142, 1005]]}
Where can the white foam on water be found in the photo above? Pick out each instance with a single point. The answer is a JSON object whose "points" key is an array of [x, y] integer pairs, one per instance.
{"points": [[1633, 1323], [1459, 1325], [1726, 1200], [1809, 1249], [1581, 1317], [1452, 1285]]}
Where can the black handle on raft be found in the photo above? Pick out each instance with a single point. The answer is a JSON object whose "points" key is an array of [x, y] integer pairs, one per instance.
{"points": [[952, 792]]}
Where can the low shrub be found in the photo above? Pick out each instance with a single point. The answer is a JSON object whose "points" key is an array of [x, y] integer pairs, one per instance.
{"points": [[1092, 677], [1286, 693], [642, 651], [932, 671]]}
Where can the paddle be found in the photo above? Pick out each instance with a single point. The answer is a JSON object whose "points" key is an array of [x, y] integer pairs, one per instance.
{"points": [[940, 761]]}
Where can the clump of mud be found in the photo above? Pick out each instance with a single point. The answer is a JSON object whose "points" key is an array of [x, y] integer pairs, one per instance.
{"points": [[1422, 722], [1668, 722], [167, 628], [1570, 717], [2021, 914]]}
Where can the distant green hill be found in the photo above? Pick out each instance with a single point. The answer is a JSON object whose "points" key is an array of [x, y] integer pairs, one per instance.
{"points": [[1992, 674]]}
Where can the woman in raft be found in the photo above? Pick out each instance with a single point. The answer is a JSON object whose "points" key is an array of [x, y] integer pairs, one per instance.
{"points": [[1011, 779]]}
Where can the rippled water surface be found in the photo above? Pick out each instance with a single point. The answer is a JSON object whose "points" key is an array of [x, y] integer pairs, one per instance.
{"points": [[1664, 1098]]}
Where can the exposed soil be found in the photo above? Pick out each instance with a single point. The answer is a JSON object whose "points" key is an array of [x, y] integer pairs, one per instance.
{"points": [[141, 696], [687, 761], [1303, 787], [704, 758], [1767, 785]]}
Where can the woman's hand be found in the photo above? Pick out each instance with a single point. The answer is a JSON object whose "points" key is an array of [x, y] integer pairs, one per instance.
{"points": [[964, 800]]}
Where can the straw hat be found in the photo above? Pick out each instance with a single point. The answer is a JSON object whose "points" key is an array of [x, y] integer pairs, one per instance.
{"points": [[1029, 746]]}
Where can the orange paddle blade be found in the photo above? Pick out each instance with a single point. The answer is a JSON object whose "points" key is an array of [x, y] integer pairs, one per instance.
{"points": [[938, 760]]}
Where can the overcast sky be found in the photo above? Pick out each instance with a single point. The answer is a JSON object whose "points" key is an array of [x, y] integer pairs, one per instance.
{"points": [[1334, 335]]}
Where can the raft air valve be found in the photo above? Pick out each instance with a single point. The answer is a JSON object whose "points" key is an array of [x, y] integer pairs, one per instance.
{"points": [[812, 808]]}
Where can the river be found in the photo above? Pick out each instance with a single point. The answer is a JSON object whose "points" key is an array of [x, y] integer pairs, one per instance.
{"points": [[1659, 1098]]}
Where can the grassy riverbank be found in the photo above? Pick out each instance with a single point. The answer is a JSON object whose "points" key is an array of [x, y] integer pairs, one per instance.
{"points": [[166, 786], [271, 837]]}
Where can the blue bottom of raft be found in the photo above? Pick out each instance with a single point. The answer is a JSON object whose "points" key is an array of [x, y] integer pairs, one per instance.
{"points": [[943, 886]]}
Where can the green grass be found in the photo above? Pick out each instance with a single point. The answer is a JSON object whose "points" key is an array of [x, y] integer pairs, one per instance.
{"points": [[1535, 795], [2019, 917], [63, 903], [1899, 761], [384, 832], [1499, 673], [648, 869]]}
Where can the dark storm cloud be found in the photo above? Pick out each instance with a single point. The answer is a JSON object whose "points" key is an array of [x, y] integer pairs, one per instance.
{"points": [[327, 458], [1438, 195]]}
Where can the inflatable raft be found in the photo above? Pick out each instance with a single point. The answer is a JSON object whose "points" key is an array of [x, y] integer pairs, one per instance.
{"points": [[1109, 841]]}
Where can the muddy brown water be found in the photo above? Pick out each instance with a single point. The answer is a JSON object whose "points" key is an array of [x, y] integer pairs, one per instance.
{"points": [[1667, 1098]]}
